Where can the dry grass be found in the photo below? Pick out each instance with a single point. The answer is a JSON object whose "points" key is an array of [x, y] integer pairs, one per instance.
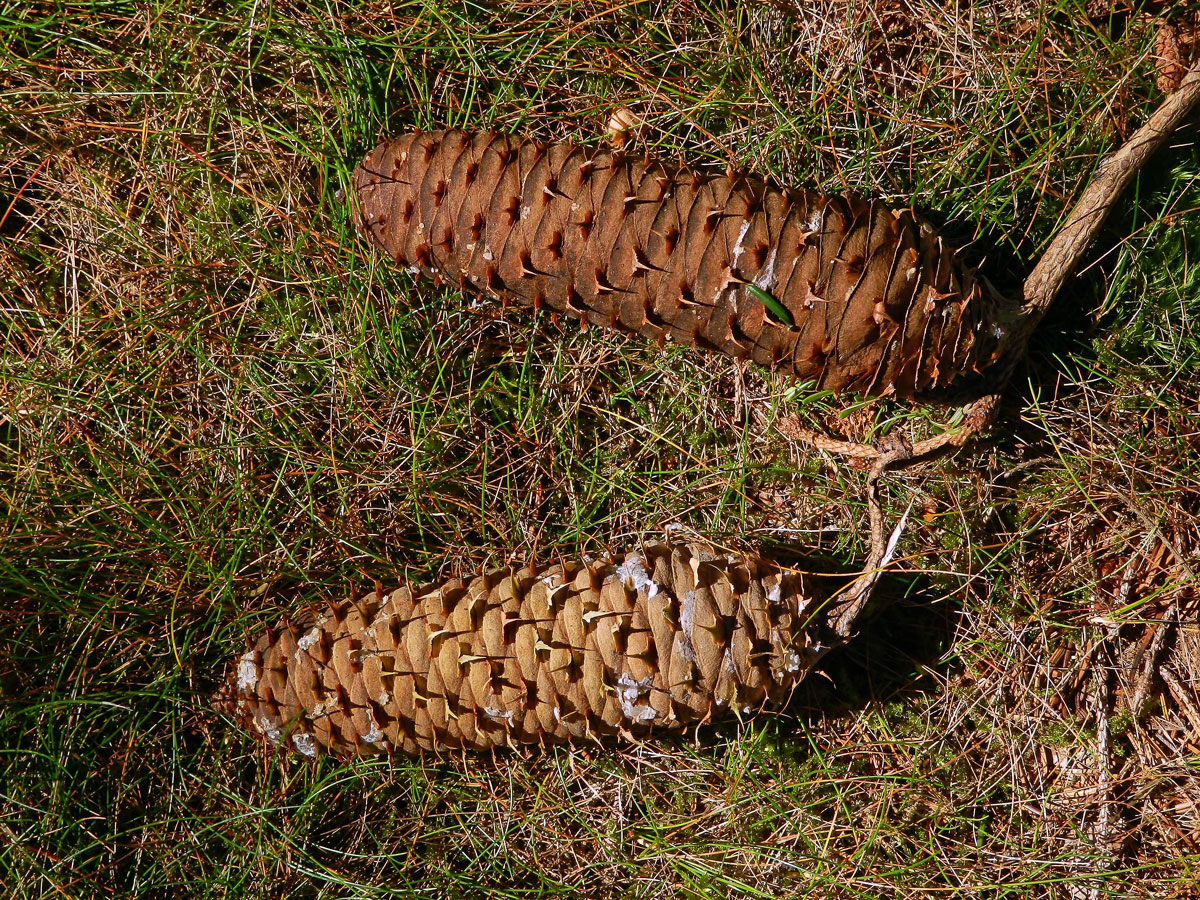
{"points": [[216, 405]]}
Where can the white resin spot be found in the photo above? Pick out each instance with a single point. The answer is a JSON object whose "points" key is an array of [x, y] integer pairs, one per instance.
{"points": [[247, 672], [268, 728], [309, 639], [305, 744], [766, 279], [633, 571], [487, 254], [373, 735], [319, 709], [738, 248], [687, 614], [629, 695], [384, 698]]}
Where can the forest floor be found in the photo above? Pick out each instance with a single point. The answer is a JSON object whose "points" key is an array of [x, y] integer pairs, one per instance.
{"points": [[218, 405]]}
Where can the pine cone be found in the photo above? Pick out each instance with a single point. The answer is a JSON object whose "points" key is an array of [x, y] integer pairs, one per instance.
{"points": [[842, 291], [659, 640]]}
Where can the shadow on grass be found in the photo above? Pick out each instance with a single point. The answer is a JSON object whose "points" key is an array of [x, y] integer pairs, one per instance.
{"points": [[904, 634]]}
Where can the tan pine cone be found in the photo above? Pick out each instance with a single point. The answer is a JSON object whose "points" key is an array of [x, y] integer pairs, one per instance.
{"points": [[857, 296], [657, 640]]}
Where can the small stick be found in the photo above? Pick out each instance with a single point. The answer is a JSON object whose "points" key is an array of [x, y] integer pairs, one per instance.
{"points": [[1114, 175], [894, 449]]}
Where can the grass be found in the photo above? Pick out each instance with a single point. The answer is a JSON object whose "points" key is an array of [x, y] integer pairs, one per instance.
{"points": [[217, 405]]}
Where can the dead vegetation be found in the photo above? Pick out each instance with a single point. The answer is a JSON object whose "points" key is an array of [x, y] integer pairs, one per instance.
{"points": [[214, 407]]}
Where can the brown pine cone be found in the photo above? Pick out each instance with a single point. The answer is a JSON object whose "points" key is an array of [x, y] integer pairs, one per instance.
{"points": [[845, 292], [656, 640]]}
